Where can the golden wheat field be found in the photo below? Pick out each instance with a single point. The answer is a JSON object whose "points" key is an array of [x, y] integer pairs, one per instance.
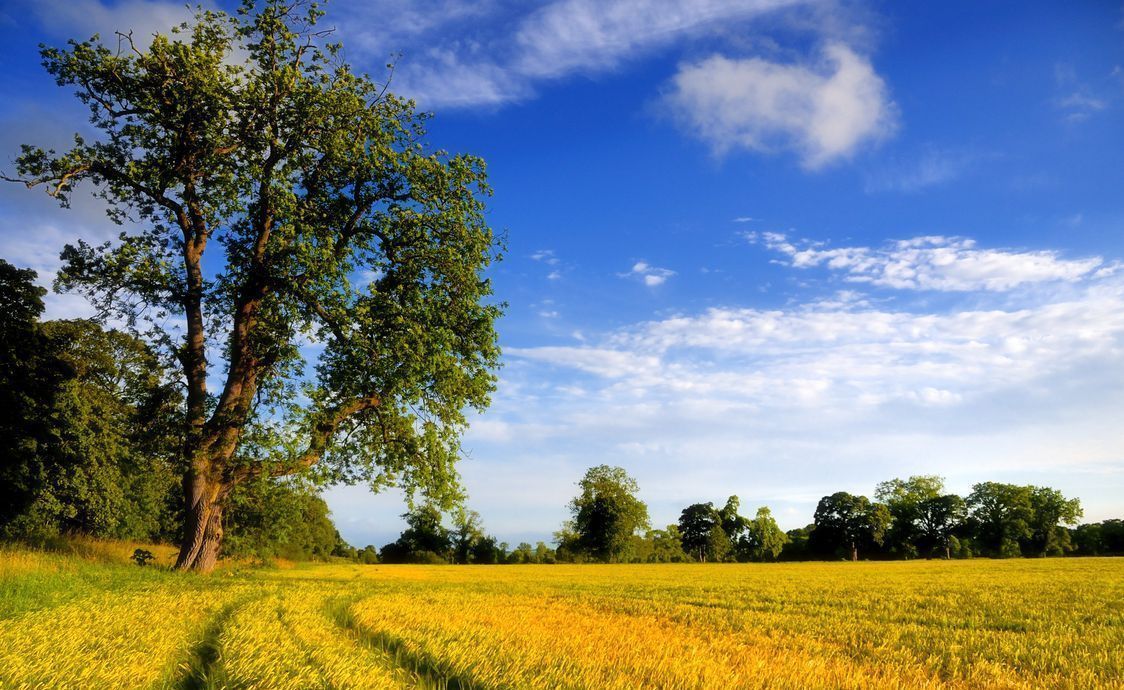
{"points": [[76, 622]]}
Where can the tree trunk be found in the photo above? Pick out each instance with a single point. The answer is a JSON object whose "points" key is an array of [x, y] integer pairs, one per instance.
{"points": [[854, 552], [202, 530], [947, 553]]}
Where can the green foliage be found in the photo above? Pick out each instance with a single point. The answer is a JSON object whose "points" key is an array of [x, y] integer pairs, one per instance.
{"points": [[270, 198], [1100, 538], [272, 518], [845, 523], [696, 524], [904, 499], [797, 548], [606, 514], [468, 530], [30, 377], [733, 525], [1000, 516], [143, 557], [95, 442], [938, 519], [660, 546], [425, 539], [763, 540], [1050, 511]]}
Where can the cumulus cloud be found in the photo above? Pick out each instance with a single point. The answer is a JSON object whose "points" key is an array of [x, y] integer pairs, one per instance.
{"points": [[824, 110], [650, 275], [953, 264]]}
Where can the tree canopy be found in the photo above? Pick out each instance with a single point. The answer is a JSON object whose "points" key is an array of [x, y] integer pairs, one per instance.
{"points": [[607, 513], [271, 198], [849, 521]]}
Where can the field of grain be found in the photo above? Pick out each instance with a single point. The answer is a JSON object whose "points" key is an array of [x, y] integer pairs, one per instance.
{"points": [[71, 621]]}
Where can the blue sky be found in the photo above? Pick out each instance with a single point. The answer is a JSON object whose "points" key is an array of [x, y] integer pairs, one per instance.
{"points": [[770, 248]]}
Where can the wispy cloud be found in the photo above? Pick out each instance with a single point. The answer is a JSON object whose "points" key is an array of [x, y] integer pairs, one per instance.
{"points": [[546, 256], [83, 18], [930, 168], [952, 264], [491, 53], [824, 110], [843, 391], [651, 276], [1077, 101]]}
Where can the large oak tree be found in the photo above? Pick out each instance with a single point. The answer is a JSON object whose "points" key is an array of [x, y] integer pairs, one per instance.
{"points": [[275, 203]]}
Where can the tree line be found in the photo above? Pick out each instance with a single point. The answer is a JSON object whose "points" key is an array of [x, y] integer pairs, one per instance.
{"points": [[907, 518]]}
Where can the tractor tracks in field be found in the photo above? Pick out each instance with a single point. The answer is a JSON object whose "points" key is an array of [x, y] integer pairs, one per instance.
{"points": [[414, 670], [204, 654]]}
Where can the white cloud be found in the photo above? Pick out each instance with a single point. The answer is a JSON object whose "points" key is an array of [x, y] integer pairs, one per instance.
{"points": [[839, 393], [652, 276], [546, 256], [824, 110], [486, 54], [83, 18], [1076, 101], [933, 263], [930, 168], [592, 35]]}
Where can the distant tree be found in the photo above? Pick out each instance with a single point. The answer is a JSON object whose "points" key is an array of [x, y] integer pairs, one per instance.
{"points": [[1088, 539], [425, 539], [763, 539], [368, 555], [1050, 510], [1112, 536], [485, 551], [718, 547], [733, 525], [939, 519], [607, 513], [523, 553], [268, 193], [1000, 517], [665, 546], [904, 498], [467, 530], [543, 553], [696, 524], [566, 547], [797, 547], [845, 521]]}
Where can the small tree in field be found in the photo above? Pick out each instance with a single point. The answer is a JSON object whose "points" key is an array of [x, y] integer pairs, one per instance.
{"points": [[270, 197]]}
